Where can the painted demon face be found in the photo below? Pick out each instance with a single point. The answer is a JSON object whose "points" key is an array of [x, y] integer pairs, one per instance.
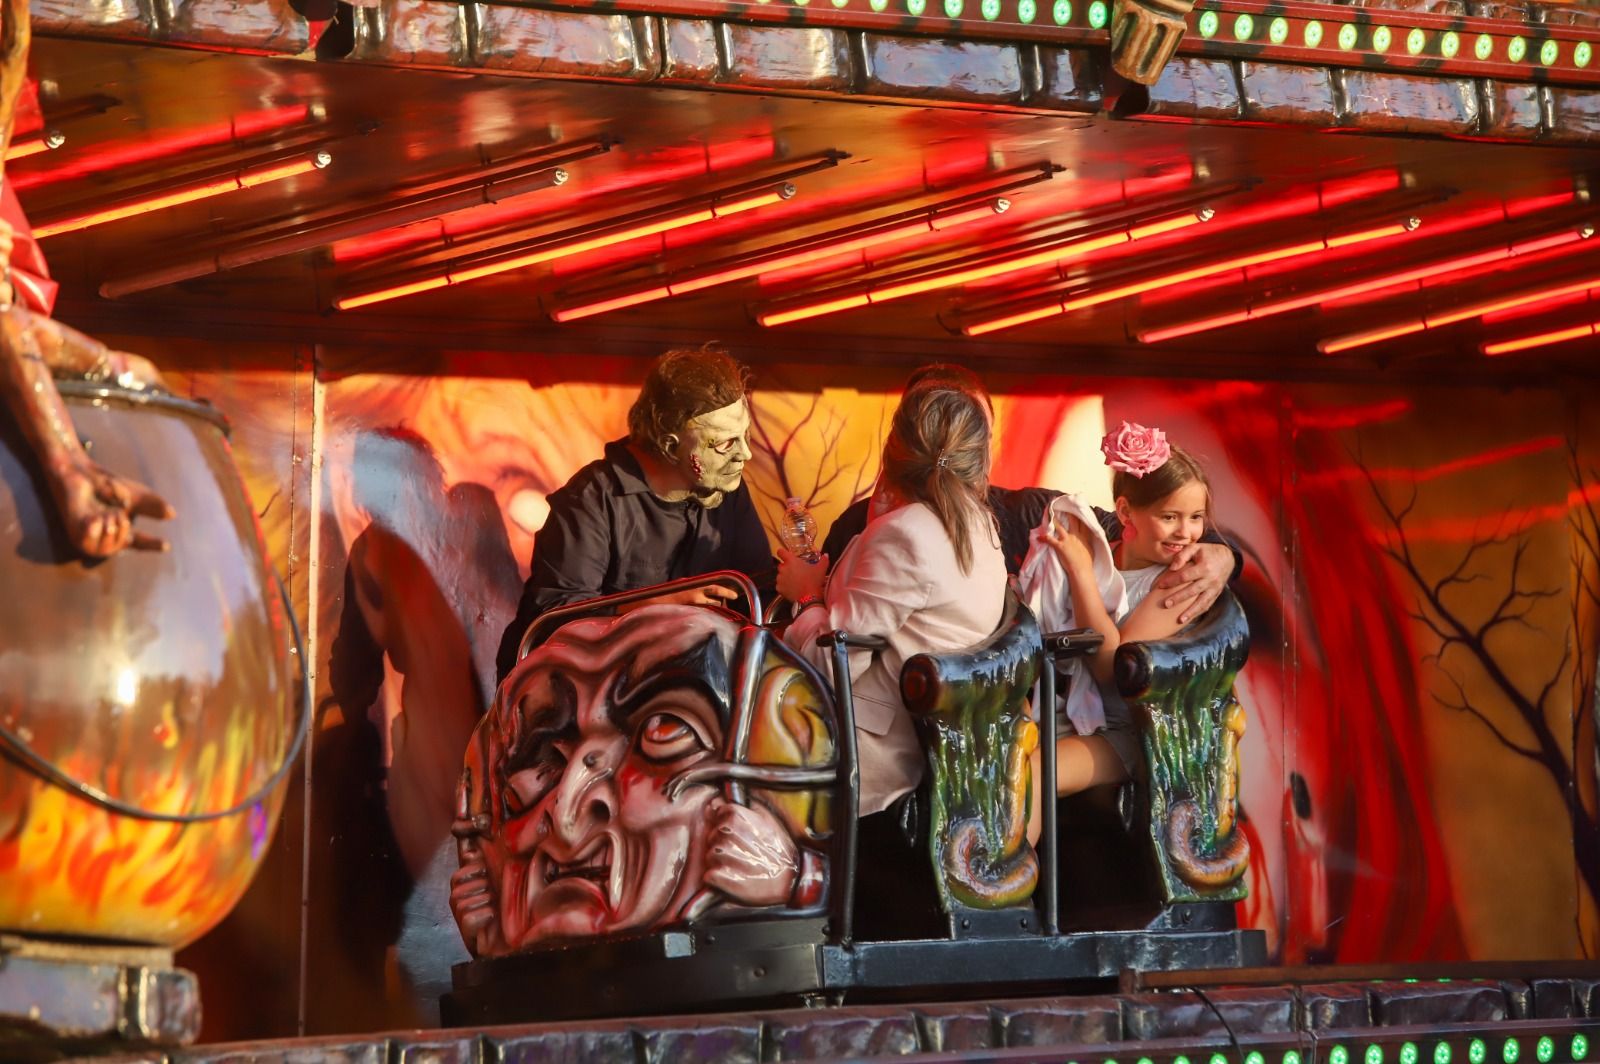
{"points": [[590, 843], [596, 798]]}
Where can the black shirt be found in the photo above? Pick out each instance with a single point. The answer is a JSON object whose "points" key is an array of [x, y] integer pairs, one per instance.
{"points": [[1018, 512], [608, 532]]}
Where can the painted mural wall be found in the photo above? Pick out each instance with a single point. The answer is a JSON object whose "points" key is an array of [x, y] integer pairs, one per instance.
{"points": [[1422, 582]]}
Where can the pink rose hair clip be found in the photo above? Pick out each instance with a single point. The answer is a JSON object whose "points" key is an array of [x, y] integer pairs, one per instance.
{"points": [[1135, 449]]}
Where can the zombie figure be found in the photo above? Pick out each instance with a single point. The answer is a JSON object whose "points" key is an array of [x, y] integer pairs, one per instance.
{"points": [[597, 798], [669, 501]]}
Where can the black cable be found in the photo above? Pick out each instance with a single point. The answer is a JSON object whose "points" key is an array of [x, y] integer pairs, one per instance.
{"points": [[18, 748], [1233, 1039]]}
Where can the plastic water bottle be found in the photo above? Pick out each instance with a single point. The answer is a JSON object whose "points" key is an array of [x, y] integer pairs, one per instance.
{"points": [[798, 531]]}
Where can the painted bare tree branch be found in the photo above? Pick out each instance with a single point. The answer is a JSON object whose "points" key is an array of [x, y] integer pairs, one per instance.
{"points": [[1518, 720], [1583, 524], [821, 481]]}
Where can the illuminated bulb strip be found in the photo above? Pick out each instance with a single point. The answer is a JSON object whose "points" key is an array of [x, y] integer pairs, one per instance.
{"points": [[1335, 344], [935, 220], [934, 282], [735, 205], [1545, 339], [1418, 275], [717, 208], [1238, 262], [39, 142], [246, 178], [575, 247]]}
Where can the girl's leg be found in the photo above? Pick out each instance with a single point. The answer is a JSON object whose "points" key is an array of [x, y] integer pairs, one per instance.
{"points": [[1084, 761]]}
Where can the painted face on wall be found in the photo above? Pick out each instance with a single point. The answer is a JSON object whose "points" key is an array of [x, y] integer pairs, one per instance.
{"points": [[714, 449]]}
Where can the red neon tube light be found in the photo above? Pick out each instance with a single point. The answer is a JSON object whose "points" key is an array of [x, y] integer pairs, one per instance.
{"points": [[122, 156], [934, 220], [248, 177], [49, 140], [1544, 339], [951, 278], [1415, 275], [1091, 299], [719, 207], [1335, 344]]}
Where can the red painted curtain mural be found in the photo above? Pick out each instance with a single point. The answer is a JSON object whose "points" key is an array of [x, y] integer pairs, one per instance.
{"points": [[1422, 580]]}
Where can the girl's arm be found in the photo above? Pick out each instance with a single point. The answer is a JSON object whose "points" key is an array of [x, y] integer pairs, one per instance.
{"points": [[1150, 620], [1072, 547]]}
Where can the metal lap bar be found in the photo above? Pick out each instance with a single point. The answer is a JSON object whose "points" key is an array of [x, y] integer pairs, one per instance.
{"points": [[1058, 646], [550, 620], [841, 643]]}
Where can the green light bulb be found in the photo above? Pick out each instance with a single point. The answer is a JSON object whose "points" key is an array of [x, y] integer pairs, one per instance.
{"points": [[1254, 1057], [1545, 1050], [1511, 1051], [1374, 1054], [1408, 1053], [1441, 1053], [1580, 1047], [1477, 1052], [1339, 1055], [1218, 1058]]}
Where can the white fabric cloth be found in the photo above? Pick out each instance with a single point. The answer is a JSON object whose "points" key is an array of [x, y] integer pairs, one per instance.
{"points": [[1043, 585], [899, 579]]}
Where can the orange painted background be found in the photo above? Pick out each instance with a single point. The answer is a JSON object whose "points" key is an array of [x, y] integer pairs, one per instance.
{"points": [[1421, 579]]}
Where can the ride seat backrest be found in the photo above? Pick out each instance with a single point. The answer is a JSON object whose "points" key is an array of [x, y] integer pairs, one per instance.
{"points": [[1190, 724], [971, 710]]}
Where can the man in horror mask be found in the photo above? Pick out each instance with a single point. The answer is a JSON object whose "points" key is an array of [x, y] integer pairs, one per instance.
{"points": [[669, 501]]}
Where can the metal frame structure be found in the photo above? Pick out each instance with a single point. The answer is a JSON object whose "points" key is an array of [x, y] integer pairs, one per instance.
{"points": [[1256, 30]]}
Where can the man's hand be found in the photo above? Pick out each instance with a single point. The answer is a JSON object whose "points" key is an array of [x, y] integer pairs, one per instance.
{"points": [[799, 579], [710, 595], [1195, 579], [750, 856]]}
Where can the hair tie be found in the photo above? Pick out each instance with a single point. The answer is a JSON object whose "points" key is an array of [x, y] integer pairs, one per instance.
{"points": [[1135, 449], [943, 462]]}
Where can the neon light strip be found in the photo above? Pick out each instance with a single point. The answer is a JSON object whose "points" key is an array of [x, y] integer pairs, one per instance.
{"points": [[1544, 339], [716, 206], [49, 140], [947, 214], [1091, 299], [1326, 295], [249, 177], [1335, 344], [884, 293]]}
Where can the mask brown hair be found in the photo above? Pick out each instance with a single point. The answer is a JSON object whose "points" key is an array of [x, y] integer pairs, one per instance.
{"points": [[683, 384], [937, 454], [1175, 472]]}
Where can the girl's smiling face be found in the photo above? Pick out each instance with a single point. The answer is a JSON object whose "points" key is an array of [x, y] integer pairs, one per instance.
{"points": [[1156, 534]]}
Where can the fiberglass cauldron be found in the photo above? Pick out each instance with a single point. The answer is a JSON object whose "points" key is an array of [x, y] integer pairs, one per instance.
{"points": [[147, 709]]}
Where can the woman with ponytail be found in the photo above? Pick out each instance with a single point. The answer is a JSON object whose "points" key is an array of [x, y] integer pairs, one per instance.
{"points": [[927, 575]]}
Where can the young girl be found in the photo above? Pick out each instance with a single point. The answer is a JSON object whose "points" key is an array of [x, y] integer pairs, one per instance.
{"points": [[1163, 502]]}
